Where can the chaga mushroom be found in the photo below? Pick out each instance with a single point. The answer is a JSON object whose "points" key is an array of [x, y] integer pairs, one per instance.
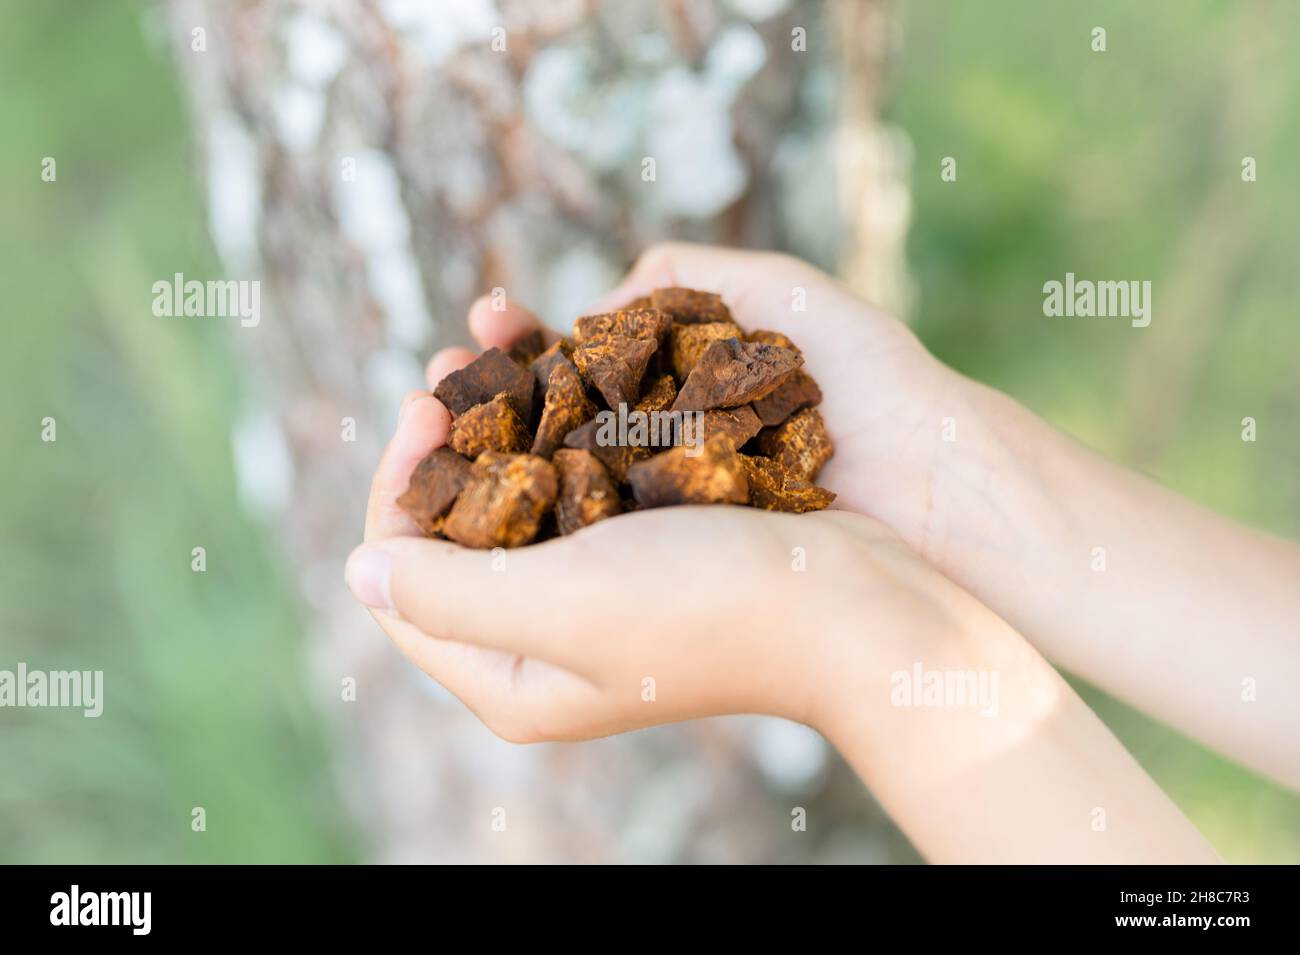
{"points": [[733, 372], [492, 426], [586, 494], [765, 337], [773, 488], [483, 379], [433, 487], [797, 392], [800, 444], [648, 324], [689, 343], [532, 455], [614, 366], [616, 458], [525, 351], [738, 424], [504, 502], [687, 306], [712, 474], [566, 407], [659, 396], [544, 364]]}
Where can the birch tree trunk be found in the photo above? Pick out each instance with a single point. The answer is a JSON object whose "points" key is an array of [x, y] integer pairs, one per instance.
{"points": [[380, 163]]}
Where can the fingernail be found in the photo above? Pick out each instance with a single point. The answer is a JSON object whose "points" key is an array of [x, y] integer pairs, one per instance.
{"points": [[367, 576]]}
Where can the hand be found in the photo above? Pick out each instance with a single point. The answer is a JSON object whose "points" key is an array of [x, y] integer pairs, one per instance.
{"points": [[884, 396], [676, 613], [558, 640]]}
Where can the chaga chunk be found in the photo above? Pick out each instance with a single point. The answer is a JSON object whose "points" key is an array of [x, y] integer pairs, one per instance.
{"points": [[689, 343], [737, 424], [433, 487], [687, 306], [616, 458], [614, 366], [659, 396], [773, 488], [483, 379], [712, 474], [544, 364], [649, 324], [532, 454], [492, 426], [765, 337], [800, 444], [504, 502], [586, 495], [567, 407], [797, 392], [526, 350], [732, 372]]}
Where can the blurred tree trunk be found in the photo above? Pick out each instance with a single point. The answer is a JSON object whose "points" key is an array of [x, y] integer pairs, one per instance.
{"points": [[380, 163]]}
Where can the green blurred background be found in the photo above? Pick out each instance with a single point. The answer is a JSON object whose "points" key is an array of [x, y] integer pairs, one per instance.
{"points": [[1117, 164]]}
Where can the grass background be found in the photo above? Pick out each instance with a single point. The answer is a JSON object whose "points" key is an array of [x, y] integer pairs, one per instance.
{"points": [[1123, 164]]}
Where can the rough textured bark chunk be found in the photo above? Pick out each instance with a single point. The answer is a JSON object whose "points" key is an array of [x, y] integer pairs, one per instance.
{"points": [[504, 502], [797, 392], [483, 379], [648, 324], [586, 493], [690, 307], [690, 342], [544, 364], [800, 444], [736, 424], [765, 337], [733, 372], [659, 396], [433, 487], [616, 458], [714, 476], [614, 366], [492, 426], [566, 407], [526, 350], [773, 488]]}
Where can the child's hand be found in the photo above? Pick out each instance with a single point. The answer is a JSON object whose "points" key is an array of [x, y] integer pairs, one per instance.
{"points": [[649, 617], [646, 618], [675, 613]]}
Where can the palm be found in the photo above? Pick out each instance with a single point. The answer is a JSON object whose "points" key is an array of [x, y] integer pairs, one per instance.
{"points": [[878, 394]]}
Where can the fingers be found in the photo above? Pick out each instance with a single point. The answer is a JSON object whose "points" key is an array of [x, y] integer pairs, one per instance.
{"points": [[423, 424], [496, 599], [499, 323], [521, 700]]}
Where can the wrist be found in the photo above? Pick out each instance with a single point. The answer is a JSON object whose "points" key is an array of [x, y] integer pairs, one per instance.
{"points": [[993, 511]]}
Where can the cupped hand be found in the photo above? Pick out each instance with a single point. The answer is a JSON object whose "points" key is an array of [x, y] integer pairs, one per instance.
{"points": [[665, 614]]}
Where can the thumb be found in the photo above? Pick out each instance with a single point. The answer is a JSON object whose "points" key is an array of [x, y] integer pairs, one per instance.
{"points": [[521, 601]]}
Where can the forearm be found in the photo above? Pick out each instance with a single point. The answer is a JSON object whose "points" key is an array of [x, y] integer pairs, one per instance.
{"points": [[1170, 607], [1024, 774]]}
